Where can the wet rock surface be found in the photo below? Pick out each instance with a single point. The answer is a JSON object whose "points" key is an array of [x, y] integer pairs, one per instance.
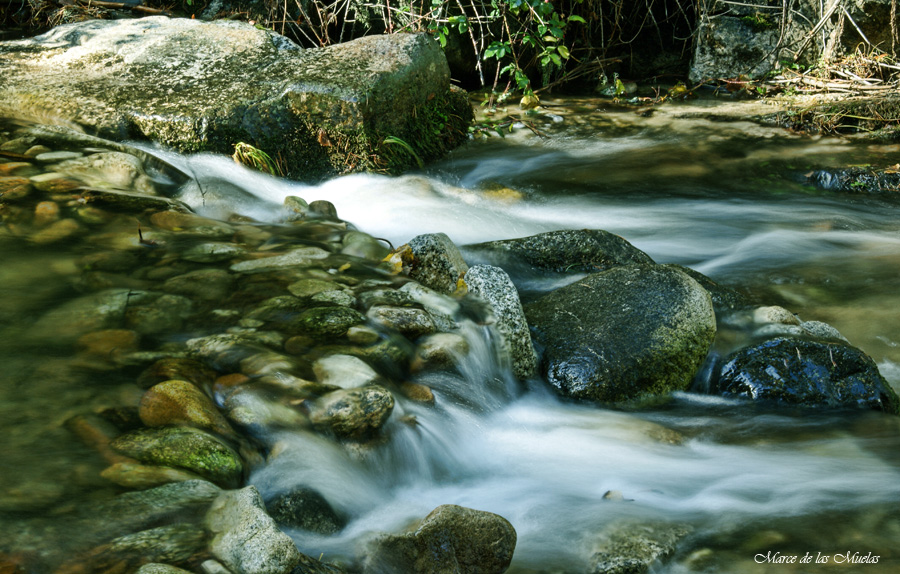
{"points": [[807, 373], [450, 539], [626, 334]]}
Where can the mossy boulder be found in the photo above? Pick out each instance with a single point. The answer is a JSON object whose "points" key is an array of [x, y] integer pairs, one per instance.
{"points": [[184, 447], [206, 86], [808, 373], [623, 335]]}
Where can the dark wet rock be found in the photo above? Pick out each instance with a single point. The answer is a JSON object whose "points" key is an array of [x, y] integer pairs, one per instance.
{"points": [[246, 539], [141, 476], [434, 261], [177, 402], [326, 322], [724, 299], [633, 548], [177, 368], [807, 373], [409, 321], [494, 286], [626, 334], [451, 539], [175, 543], [345, 371], [300, 257], [306, 509], [858, 180], [184, 447], [352, 413], [582, 250]]}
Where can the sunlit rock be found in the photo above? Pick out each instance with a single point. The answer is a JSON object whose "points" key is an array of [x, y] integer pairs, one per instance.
{"points": [[352, 413], [626, 334], [451, 539], [245, 538], [808, 373], [181, 403], [197, 85], [494, 286], [434, 261]]}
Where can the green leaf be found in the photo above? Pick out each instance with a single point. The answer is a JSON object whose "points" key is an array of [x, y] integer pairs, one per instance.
{"points": [[556, 60], [563, 51], [574, 18]]}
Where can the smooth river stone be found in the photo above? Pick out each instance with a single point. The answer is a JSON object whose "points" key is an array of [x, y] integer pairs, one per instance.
{"points": [[177, 402]]}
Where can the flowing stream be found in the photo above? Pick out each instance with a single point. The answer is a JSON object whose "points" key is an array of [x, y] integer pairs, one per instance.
{"points": [[730, 199]]}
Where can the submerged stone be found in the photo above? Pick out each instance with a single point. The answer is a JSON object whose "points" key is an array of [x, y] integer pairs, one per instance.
{"points": [[807, 373], [629, 333], [205, 86]]}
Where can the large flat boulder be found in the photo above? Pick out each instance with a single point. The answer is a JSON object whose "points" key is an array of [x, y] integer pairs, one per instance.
{"points": [[205, 86]]}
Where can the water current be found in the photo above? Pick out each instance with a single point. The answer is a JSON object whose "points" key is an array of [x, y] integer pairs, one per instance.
{"points": [[730, 199]]}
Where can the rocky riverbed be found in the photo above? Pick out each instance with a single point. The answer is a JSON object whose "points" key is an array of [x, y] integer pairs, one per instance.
{"points": [[219, 334]]}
